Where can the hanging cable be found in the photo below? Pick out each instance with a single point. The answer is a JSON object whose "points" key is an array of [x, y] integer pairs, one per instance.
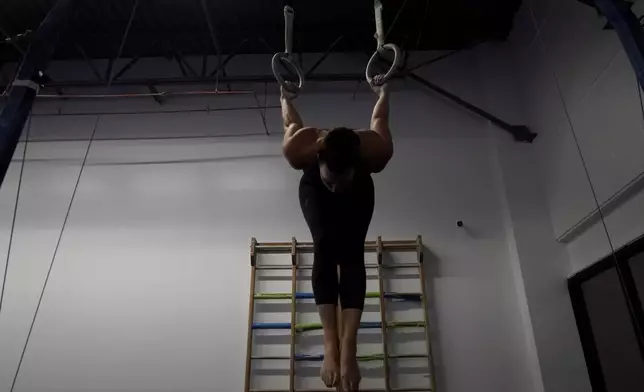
{"points": [[400, 10], [618, 268], [422, 24], [261, 113], [639, 96], [13, 219], [53, 257]]}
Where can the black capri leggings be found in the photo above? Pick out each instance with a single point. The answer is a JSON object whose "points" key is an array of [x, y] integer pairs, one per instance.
{"points": [[338, 224]]}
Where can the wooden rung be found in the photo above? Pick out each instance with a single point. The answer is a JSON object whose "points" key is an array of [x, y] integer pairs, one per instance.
{"points": [[269, 358], [308, 267], [307, 247], [285, 358], [407, 356], [333, 390]]}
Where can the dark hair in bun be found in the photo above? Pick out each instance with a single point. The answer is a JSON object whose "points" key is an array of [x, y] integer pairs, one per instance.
{"points": [[341, 151]]}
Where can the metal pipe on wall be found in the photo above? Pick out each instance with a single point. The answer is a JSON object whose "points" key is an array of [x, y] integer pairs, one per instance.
{"points": [[141, 95], [141, 112], [341, 77]]}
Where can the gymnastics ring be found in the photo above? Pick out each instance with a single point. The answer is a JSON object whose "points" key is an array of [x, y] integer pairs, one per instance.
{"points": [[394, 66], [285, 57], [290, 87]]}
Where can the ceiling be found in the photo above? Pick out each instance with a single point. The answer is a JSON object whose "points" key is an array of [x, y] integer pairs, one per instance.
{"points": [[179, 27]]}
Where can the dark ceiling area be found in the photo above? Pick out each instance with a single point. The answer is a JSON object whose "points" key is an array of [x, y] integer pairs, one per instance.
{"points": [[180, 27]]}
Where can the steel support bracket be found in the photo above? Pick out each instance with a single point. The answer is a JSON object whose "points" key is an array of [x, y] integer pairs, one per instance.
{"points": [[521, 133]]}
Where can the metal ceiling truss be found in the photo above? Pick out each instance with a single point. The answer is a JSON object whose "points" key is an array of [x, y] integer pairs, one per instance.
{"points": [[127, 31], [218, 75], [14, 115], [324, 57], [6, 38], [89, 62], [443, 57], [213, 36]]}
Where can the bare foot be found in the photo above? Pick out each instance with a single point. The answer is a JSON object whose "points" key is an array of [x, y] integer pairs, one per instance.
{"points": [[349, 369], [330, 371]]}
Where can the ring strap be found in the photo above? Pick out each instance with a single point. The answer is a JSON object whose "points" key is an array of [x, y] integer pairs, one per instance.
{"points": [[380, 31], [289, 19]]}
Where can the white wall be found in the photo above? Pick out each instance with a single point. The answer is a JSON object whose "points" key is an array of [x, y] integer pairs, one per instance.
{"points": [[155, 250], [582, 98], [150, 284], [571, 82], [540, 264]]}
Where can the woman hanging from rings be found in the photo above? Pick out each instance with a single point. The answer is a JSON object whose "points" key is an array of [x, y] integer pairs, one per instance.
{"points": [[337, 199]]}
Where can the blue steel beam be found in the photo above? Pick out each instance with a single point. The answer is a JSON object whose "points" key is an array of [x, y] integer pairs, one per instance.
{"points": [[31, 74]]}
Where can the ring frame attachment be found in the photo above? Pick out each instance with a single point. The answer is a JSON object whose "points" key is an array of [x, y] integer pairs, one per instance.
{"points": [[394, 66], [285, 58]]}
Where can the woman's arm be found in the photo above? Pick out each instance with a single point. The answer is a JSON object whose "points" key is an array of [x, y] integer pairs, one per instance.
{"points": [[300, 145], [377, 146]]}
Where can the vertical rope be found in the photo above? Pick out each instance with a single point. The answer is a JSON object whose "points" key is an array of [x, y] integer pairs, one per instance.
{"points": [[15, 214], [620, 273], [380, 31], [422, 23], [53, 257], [262, 111], [289, 22], [639, 96]]}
